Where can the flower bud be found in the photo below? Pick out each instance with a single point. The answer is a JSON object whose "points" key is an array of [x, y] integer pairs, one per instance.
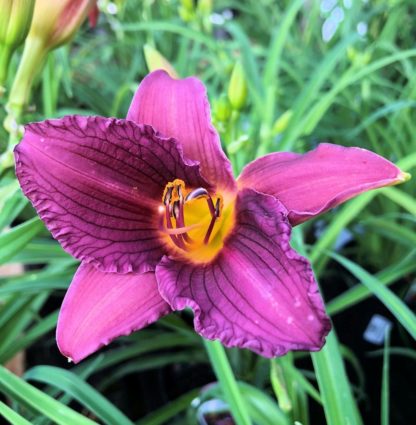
{"points": [[155, 60], [358, 58], [282, 122], [222, 109], [15, 19], [204, 10], [188, 4], [187, 10], [93, 16], [237, 89], [205, 7], [54, 23]]}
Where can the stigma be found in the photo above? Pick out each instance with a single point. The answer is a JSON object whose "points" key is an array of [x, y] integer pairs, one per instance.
{"points": [[189, 216]]}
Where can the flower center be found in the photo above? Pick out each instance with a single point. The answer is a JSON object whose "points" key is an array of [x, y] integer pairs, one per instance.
{"points": [[194, 222]]}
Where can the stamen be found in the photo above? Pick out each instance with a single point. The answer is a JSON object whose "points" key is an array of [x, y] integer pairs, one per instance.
{"points": [[213, 219], [167, 196], [209, 231], [218, 208], [174, 198], [176, 210], [180, 221], [182, 230], [177, 240], [168, 213], [180, 195], [196, 193]]}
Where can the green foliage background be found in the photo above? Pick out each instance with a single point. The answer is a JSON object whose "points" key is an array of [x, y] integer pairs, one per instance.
{"points": [[354, 90]]}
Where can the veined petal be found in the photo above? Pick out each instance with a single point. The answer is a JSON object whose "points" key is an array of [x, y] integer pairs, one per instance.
{"points": [[97, 184], [316, 181], [258, 293], [99, 307], [180, 109]]}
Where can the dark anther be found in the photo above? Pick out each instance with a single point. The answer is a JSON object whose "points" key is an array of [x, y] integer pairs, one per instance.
{"points": [[168, 196], [217, 208], [176, 210], [197, 193], [180, 195]]}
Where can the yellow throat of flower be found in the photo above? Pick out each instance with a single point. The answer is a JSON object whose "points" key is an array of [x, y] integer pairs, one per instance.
{"points": [[195, 223]]}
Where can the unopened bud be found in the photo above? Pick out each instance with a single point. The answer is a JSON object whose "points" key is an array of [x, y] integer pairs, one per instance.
{"points": [[187, 10], [186, 15], [282, 122], [188, 4], [351, 53], [56, 22], [204, 10], [15, 19], [155, 60], [358, 58], [237, 89], [93, 16], [205, 7], [222, 109]]}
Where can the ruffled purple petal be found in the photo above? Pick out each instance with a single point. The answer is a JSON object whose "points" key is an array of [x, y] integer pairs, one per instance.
{"points": [[321, 179], [258, 293], [97, 183], [180, 109], [100, 307]]}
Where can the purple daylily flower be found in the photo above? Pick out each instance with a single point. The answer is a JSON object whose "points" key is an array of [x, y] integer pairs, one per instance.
{"points": [[151, 208]]}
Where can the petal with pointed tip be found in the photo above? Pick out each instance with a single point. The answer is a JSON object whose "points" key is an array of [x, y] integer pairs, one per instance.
{"points": [[97, 183], [312, 183], [180, 109], [258, 293], [100, 307]]}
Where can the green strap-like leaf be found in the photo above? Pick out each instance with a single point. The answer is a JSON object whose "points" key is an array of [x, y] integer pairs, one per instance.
{"points": [[15, 239], [339, 404], [10, 415], [171, 409], [400, 310], [225, 375], [26, 394], [385, 382], [80, 390]]}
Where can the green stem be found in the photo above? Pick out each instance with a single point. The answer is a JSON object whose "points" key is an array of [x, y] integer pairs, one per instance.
{"points": [[33, 57], [225, 376], [5, 56], [47, 91], [279, 385]]}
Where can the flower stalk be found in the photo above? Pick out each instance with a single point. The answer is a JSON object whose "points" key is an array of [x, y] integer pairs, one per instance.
{"points": [[5, 56], [34, 55], [224, 373], [52, 26]]}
